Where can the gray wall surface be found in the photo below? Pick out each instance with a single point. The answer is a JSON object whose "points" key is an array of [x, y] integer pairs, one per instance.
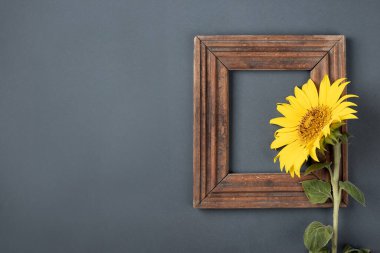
{"points": [[96, 124]]}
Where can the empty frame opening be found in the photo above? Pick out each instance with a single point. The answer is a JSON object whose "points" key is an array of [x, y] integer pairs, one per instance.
{"points": [[253, 99]]}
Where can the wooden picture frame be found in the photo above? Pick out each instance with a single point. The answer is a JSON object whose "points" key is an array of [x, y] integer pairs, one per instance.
{"points": [[214, 57]]}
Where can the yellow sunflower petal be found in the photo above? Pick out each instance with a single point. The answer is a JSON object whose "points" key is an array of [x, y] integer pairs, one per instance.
{"points": [[286, 154], [289, 112], [324, 89], [342, 105], [283, 131], [346, 111], [334, 95], [338, 82], [294, 151], [317, 142], [311, 92], [283, 140], [291, 171], [326, 130], [282, 165], [336, 90], [298, 163], [313, 153], [296, 105], [302, 98], [298, 160], [284, 122], [345, 97], [349, 116]]}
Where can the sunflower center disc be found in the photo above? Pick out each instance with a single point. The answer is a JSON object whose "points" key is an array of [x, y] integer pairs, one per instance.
{"points": [[313, 122]]}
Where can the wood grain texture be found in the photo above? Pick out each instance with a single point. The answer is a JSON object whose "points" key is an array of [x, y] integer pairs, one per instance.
{"points": [[270, 60], [197, 121], [214, 57]]}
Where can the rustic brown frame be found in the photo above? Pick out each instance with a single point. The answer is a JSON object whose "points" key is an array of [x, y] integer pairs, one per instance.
{"points": [[214, 57]]}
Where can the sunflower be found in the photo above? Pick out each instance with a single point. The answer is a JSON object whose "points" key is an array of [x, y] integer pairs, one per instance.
{"points": [[308, 119]]}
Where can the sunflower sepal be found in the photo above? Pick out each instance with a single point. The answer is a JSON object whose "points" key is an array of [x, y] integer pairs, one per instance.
{"points": [[322, 150], [330, 141], [344, 138], [336, 137]]}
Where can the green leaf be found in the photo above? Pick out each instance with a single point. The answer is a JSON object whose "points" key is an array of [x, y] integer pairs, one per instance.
{"points": [[317, 236], [354, 191], [349, 249], [316, 166], [317, 191]]}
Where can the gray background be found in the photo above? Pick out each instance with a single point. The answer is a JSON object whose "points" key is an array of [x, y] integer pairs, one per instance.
{"points": [[96, 124]]}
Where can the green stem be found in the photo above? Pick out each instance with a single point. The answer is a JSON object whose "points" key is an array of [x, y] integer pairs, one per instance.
{"points": [[336, 195]]}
